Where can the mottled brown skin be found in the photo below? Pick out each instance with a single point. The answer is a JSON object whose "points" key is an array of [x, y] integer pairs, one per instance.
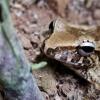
{"points": [[63, 45]]}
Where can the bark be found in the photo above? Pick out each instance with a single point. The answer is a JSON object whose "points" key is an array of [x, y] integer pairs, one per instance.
{"points": [[15, 76]]}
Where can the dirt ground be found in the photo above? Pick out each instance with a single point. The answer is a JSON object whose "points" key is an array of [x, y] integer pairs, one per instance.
{"points": [[31, 19]]}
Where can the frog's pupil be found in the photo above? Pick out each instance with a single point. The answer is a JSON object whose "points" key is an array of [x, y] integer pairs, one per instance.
{"points": [[87, 49]]}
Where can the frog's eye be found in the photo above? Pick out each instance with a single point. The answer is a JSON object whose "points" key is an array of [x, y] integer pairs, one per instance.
{"points": [[86, 48]]}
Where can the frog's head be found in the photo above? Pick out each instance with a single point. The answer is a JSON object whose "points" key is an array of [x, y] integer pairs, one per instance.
{"points": [[75, 46]]}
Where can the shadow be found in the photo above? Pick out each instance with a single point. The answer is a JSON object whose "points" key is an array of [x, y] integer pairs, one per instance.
{"points": [[62, 70], [1, 16]]}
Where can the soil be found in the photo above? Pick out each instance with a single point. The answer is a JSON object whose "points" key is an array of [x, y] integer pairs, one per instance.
{"points": [[31, 19]]}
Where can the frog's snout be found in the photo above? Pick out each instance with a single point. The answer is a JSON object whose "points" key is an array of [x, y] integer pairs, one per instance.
{"points": [[86, 48]]}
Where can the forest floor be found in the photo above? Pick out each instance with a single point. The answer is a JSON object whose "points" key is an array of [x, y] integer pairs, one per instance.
{"points": [[31, 19]]}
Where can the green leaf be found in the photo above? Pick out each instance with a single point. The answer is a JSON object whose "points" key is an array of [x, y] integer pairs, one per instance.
{"points": [[39, 65]]}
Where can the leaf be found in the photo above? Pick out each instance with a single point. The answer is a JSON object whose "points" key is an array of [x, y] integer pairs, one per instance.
{"points": [[39, 65]]}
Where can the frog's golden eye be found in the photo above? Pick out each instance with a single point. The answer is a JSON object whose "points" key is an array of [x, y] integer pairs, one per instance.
{"points": [[86, 48]]}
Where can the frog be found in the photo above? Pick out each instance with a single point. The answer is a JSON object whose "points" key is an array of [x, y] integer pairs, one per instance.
{"points": [[77, 47]]}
